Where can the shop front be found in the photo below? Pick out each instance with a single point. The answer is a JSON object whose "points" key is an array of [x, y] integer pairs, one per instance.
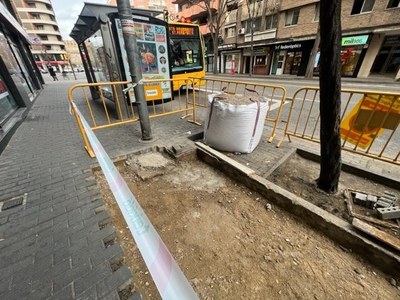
{"points": [[291, 58], [261, 60], [20, 80], [230, 58], [387, 61], [352, 54]]}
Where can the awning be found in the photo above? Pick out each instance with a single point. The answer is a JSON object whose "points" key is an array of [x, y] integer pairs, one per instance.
{"points": [[89, 19]]}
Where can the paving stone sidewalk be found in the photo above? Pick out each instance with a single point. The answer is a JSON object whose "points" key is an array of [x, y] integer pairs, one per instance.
{"points": [[60, 244]]}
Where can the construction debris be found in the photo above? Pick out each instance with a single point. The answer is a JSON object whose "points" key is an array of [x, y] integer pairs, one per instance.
{"points": [[350, 199], [384, 205], [377, 233]]}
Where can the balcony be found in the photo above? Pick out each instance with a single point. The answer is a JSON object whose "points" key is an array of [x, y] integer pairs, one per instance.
{"points": [[39, 21], [231, 17], [195, 11], [48, 42], [42, 1], [261, 35], [43, 32], [37, 10]]}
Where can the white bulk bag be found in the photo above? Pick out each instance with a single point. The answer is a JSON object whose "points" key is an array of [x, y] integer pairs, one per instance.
{"points": [[234, 127]]}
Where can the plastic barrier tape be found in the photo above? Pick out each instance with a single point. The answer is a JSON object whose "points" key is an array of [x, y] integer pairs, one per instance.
{"points": [[168, 277]]}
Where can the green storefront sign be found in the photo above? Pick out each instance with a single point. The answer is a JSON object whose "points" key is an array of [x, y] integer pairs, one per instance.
{"points": [[355, 40]]}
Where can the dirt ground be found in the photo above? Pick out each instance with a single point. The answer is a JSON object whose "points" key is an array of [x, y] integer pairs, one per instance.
{"points": [[231, 243], [298, 176]]}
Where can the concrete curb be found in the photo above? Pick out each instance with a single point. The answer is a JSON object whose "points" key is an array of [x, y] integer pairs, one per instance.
{"points": [[336, 229]]}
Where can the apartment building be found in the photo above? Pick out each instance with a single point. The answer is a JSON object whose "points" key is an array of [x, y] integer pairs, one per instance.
{"points": [[159, 5], [38, 19], [284, 33], [73, 53]]}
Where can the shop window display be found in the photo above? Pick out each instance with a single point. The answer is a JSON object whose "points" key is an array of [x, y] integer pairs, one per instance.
{"points": [[349, 57], [7, 102], [17, 69]]}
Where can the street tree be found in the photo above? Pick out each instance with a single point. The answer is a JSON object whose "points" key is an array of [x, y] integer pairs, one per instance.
{"points": [[216, 17], [314, 51], [255, 9], [330, 87]]}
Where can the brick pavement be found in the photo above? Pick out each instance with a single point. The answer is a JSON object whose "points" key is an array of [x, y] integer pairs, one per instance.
{"points": [[60, 244]]}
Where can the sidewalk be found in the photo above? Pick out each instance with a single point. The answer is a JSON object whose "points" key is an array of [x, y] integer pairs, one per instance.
{"points": [[53, 246], [60, 244]]}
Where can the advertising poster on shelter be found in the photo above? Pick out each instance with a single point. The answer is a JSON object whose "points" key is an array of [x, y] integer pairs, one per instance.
{"points": [[152, 46]]}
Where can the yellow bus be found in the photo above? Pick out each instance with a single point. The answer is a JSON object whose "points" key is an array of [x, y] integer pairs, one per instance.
{"points": [[187, 52]]}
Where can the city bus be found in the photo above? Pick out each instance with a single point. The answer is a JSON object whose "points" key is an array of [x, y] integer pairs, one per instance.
{"points": [[187, 52]]}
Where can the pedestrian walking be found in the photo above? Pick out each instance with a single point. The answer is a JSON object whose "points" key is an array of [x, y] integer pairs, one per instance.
{"points": [[65, 75], [53, 74]]}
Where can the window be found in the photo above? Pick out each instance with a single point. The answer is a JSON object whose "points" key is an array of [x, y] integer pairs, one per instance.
{"points": [[39, 27], [256, 25], [43, 37], [271, 21], [35, 16], [316, 18], [230, 32], [393, 3], [292, 17], [31, 5], [362, 6]]}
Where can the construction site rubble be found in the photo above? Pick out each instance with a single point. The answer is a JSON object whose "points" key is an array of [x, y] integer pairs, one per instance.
{"points": [[386, 206]]}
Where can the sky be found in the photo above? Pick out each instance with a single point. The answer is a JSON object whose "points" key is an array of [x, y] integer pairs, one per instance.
{"points": [[67, 12]]}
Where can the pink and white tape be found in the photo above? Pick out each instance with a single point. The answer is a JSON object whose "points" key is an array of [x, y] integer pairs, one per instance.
{"points": [[168, 277]]}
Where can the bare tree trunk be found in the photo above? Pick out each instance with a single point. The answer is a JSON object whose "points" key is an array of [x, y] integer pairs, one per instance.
{"points": [[314, 51], [330, 86], [251, 51], [215, 60]]}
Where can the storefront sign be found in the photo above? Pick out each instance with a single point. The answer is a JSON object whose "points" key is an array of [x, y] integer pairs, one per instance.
{"points": [[288, 47], [354, 40], [227, 46]]}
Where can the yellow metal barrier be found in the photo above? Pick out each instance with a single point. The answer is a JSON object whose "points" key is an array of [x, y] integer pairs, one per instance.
{"points": [[274, 94], [369, 121], [109, 104]]}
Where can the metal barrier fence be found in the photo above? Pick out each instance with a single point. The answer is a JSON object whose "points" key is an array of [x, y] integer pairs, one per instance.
{"points": [[108, 104], [369, 123], [274, 94]]}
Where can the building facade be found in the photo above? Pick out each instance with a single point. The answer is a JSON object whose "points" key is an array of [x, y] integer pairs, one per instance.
{"points": [[38, 18], [73, 55], [159, 5], [275, 37], [20, 79]]}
